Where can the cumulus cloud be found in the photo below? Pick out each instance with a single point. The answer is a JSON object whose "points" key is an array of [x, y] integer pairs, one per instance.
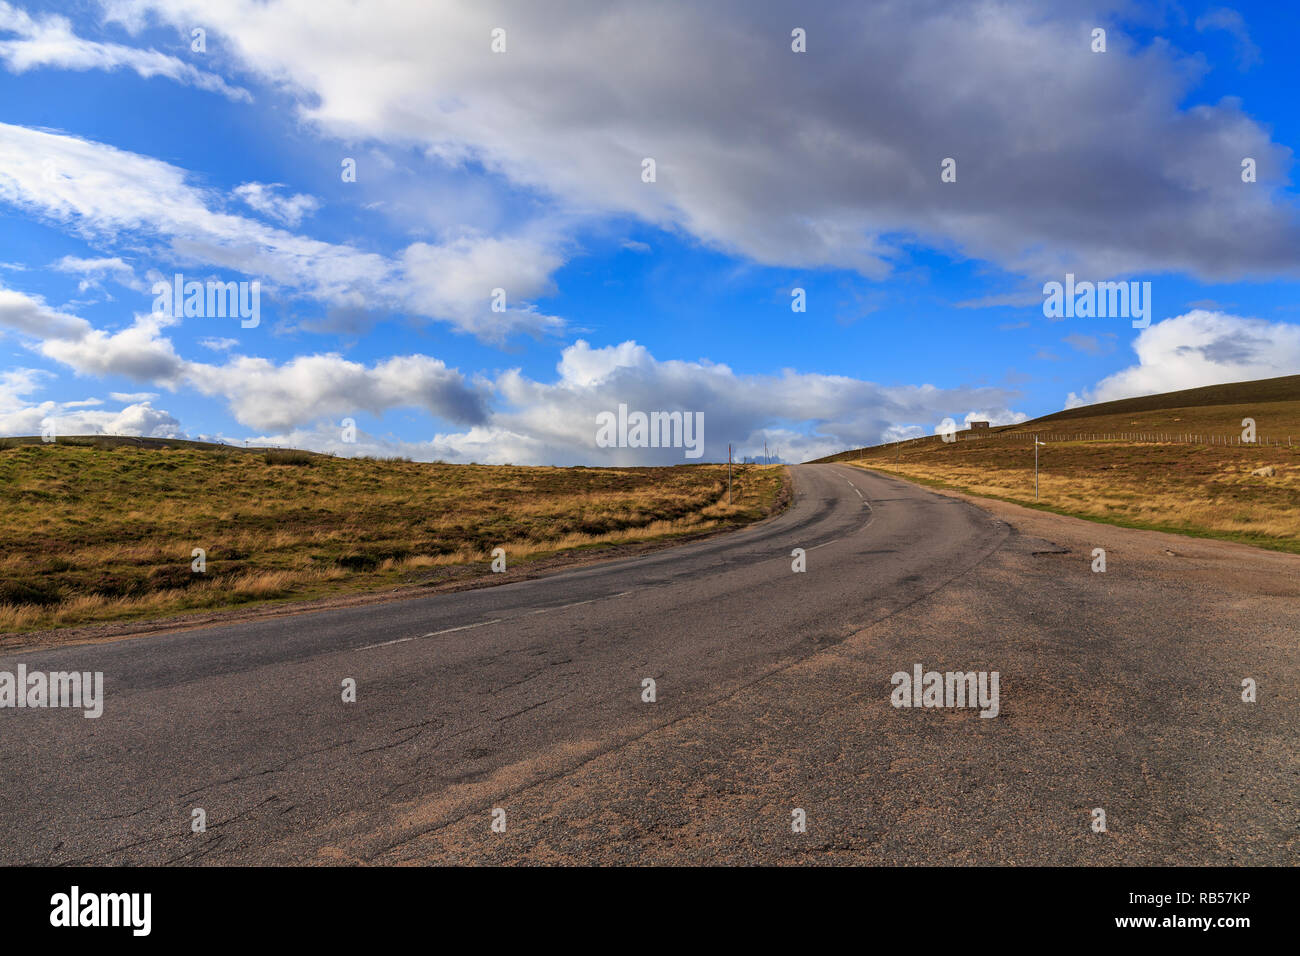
{"points": [[264, 395], [140, 352], [998, 416], [31, 316], [1200, 348], [258, 392], [779, 162], [49, 41], [513, 418], [20, 416], [458, 278], [808, 415]]}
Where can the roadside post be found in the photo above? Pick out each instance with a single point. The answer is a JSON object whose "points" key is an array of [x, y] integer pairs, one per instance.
{"points": [[1036, 444]]}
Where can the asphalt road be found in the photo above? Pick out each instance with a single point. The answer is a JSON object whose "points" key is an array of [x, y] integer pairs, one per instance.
{"points": [[1118, 690]]}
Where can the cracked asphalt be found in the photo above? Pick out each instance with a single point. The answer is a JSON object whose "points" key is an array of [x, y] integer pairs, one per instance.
{"points": [[1119, 690]]}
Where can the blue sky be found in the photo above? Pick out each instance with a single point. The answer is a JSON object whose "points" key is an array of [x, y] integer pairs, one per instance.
{"points": [[126, 156]]}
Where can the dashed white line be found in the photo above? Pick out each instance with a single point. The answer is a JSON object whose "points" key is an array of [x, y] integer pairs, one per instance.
{"points": [[449, 630], [543, 610], [495, 620]]}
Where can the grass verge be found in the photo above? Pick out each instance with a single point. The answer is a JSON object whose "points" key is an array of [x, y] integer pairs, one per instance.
{"points": [[1198, 490]]}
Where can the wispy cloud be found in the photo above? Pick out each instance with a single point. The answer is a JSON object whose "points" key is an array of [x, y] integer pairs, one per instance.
{"points": [[107, 194], [264, 198], [1230, 21], [49, 41]]}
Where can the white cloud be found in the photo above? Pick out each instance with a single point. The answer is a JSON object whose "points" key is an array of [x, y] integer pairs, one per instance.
{"points": [[94, 270], [514, 418], [132, 397], [49, 41], [100, 191], [16, 383], [1231, 21], [998, 416], [219, 344], [1200, 348], [258, 392], [140, 352], [31, 316], [103, 264], [20, 417], [106, 193], [287, 209], [263, 395], [328, 437], [758, 154], [808, 415], [458, 278]]}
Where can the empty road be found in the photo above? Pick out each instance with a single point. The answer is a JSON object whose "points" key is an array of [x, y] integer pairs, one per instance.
{"points": [[1118, 690]]}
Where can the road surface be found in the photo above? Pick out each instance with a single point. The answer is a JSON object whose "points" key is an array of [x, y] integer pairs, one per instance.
{"points": [[1118, 690]]}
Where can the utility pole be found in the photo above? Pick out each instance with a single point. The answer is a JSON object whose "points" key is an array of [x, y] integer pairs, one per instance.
{"points": [[728, 474]]}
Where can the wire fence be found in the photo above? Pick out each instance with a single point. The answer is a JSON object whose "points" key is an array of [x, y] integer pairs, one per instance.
{"points": [[1132, 438], [1146, 438]]}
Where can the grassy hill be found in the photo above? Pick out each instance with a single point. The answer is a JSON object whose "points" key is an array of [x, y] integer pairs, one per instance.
{"points": [[104, 529], [1170, 462], [1214, 412], [1211, 403]]}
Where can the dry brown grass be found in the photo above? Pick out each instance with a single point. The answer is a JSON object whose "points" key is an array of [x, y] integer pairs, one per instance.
{"points": [[1203, 490], [98, 533], [1202, 487]]}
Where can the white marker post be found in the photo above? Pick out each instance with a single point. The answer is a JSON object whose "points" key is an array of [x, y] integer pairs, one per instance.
{"points": [[1036, 444]]}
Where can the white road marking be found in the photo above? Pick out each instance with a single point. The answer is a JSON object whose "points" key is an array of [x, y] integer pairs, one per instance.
{"points": [[495, 620], [450, 630], [543, 610]]}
